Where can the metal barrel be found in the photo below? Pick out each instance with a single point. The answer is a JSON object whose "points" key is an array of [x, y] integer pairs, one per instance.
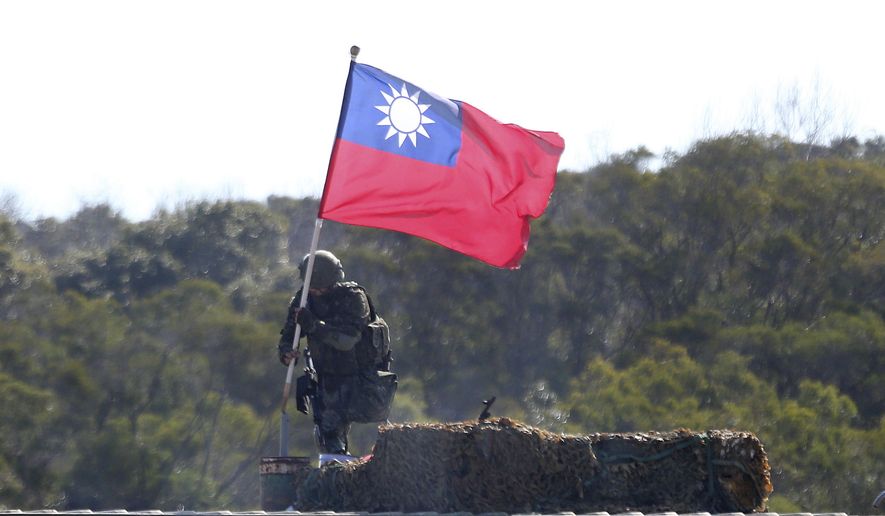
{"points": [[277, 475]]}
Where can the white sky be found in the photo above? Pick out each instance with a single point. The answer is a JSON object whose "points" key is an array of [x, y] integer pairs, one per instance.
{"points": [[152, 103]]}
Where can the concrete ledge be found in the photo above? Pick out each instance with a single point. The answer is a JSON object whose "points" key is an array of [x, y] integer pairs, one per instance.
{"points": [[43, 512]]}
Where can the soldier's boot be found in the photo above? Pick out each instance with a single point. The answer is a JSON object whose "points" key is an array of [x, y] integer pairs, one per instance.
{"points": [[330, 442]]}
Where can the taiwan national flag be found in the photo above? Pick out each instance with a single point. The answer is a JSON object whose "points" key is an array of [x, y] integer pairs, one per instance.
{"points": [[407, 160]]}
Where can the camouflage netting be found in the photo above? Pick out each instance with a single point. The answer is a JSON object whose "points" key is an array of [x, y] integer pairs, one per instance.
{"points": [[504, 466], [682, 471]]}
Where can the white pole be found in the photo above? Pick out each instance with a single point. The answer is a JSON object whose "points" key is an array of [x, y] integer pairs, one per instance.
{"points": [[304, 291], [287, 388]]}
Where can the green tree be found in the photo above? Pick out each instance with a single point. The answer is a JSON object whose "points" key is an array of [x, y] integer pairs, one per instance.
{"points": [[28, 466]]}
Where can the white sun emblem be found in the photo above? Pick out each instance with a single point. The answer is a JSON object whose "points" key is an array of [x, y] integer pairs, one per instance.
{"points": [[404, 115]]}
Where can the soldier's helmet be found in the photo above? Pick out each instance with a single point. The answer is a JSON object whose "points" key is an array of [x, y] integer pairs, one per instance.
{"points": [[327, 269]]}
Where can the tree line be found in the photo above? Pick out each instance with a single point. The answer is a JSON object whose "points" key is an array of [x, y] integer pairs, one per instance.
{"points": [[741, 285]]}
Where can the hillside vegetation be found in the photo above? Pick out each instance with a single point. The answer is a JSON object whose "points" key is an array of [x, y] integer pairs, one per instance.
{"points": [[740, 286]]}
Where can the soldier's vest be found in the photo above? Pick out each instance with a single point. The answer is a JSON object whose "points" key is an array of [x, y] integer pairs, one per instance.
{"points": [[370, 353]]}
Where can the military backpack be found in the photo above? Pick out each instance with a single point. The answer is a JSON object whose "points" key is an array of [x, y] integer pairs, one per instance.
{"points": [[373, 348]]}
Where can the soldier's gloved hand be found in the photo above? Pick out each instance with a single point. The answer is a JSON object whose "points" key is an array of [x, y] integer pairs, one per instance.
{"points": [[287, 354], [307, 320]]}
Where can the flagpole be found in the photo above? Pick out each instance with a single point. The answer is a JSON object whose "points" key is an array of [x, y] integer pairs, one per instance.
{"points": [[314, 242], [287, 388]]}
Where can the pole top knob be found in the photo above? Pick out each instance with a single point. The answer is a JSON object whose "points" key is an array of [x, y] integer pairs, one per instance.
{"points": [[354, 51]]}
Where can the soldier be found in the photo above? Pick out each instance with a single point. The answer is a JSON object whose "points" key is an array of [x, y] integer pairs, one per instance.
{"points": [[349, 345]]}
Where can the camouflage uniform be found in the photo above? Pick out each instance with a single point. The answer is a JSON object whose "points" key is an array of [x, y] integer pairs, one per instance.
{"points": [[344, 313]]}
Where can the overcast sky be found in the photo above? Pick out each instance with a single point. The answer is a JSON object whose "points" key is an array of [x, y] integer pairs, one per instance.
{"points": [[152, 103]]}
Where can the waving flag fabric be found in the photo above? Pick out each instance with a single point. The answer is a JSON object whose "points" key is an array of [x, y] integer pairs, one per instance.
{"points": [[410, 161]]}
